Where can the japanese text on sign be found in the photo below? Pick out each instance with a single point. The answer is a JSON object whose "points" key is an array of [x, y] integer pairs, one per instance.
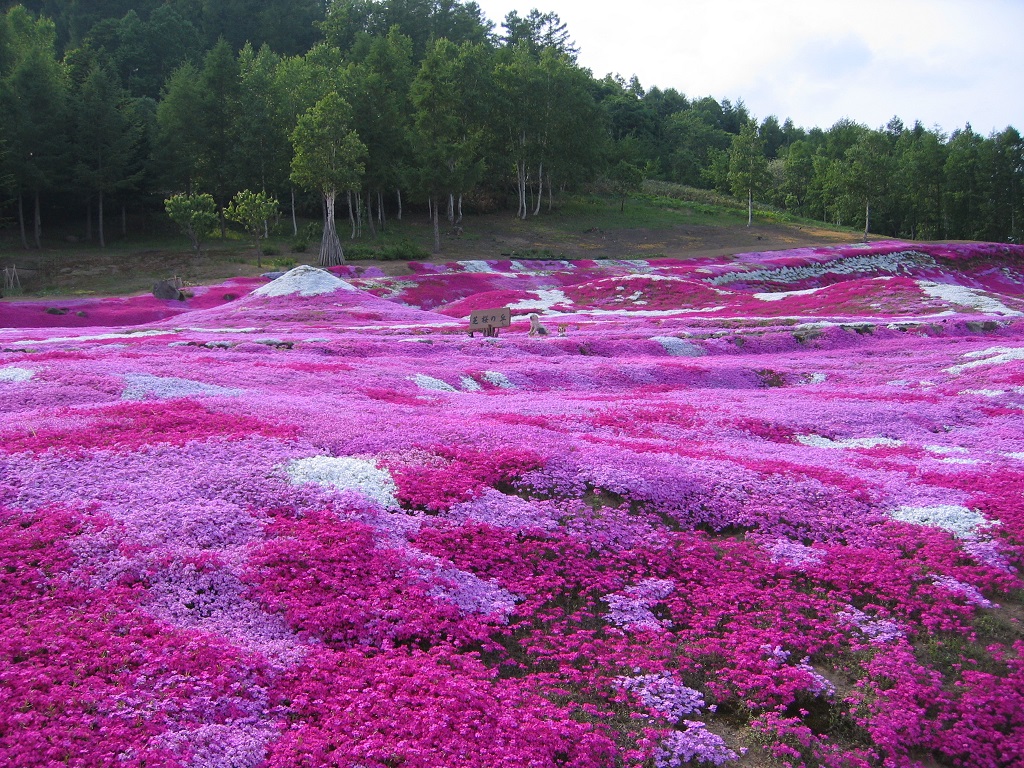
{"points": [[494, 318]]}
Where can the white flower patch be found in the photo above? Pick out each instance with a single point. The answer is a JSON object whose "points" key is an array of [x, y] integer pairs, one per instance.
{"points": [[545, 300], [887, 262], [677, 347], [1014, 455], [814, 378], [344, 473], [817, 441], [423, 381], [98, 337], [530, 268], [16, 375], [468, 385], [143, 385], [498, 379], [982, 392], [990, 356], [476, 265], [967, 297], [960, 521], [780, 295], [305, 281]]}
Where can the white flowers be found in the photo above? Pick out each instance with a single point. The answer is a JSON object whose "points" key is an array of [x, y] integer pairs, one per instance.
{"points": [[305, 281], [345, 473], [677, 347], [423, 381], [990, 356], [817, 441], [960, 521], [144, 385], [16, 375], [966, 297]]}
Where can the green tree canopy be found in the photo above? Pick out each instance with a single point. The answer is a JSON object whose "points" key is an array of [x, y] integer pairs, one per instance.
{"points": [[329, 158], [195, 215], [253, 210]]}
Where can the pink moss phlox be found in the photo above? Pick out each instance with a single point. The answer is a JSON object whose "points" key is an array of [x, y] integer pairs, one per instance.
{"points": [[420, 709]]}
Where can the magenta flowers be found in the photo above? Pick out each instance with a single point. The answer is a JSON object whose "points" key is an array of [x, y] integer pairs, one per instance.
{"points": [[763, 510]]}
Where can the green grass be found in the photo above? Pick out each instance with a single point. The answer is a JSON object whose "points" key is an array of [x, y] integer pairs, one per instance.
{"points": [[640, 212]]}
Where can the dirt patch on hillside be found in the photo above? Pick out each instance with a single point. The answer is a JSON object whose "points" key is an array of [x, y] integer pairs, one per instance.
{"points": [[487, 239], [123, 270]]}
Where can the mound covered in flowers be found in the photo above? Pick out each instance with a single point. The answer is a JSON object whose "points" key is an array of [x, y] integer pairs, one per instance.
{"points": [[761, 510]]}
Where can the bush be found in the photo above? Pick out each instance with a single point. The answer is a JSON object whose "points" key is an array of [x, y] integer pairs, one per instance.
{"points": [[358, 252], [403, 250]]}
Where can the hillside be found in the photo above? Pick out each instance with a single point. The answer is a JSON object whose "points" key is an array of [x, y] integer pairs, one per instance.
{"points": [[583, 229], [733, 510]]}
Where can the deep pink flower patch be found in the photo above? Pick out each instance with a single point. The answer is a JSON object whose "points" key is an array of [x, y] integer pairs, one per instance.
{"points": [[87, 679], [334, 584], [458, 474], [424, 709], [129, 426]]}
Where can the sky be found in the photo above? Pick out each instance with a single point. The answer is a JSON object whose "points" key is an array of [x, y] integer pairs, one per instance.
{"points": [[944, 63]]}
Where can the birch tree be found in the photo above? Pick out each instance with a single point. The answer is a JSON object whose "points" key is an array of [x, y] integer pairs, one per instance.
{"points": [[748, 168], [328, 159]]}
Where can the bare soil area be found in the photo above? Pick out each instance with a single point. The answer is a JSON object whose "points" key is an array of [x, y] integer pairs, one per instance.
{"points": [[126, 268]]}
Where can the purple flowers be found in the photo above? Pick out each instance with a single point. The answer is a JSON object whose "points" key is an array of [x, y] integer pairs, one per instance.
{"points": [[772, 503]]}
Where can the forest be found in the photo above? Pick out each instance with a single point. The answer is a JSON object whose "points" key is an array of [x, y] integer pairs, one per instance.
{"points": [[109, 107]]}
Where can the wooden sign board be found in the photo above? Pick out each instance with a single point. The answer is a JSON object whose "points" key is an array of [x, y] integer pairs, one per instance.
{"points": [[489, 320]]}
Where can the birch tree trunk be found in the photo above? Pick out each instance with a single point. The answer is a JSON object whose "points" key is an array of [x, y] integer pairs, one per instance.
{"points": [[540, 189], [867, 218], [295, 221], [331, 252], [458, 219], [369, 215], [521, 189], [398, 192], [21, 221], [433, 206], [750, 207], [451, 208], [37, 229], [99, 219], [351, 215]]}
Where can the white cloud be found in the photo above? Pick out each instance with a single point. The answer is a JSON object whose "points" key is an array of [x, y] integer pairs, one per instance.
{"points": [[942, 62]]}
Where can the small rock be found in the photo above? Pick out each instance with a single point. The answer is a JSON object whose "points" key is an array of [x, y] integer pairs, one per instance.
{"points": [[164, 289]]}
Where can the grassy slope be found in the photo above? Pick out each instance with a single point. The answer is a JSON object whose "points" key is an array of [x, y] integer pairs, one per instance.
{"points": [[651, 226]]}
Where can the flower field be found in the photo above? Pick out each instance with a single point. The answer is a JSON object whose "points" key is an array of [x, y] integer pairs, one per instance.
{"points": [[760, 510]]}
